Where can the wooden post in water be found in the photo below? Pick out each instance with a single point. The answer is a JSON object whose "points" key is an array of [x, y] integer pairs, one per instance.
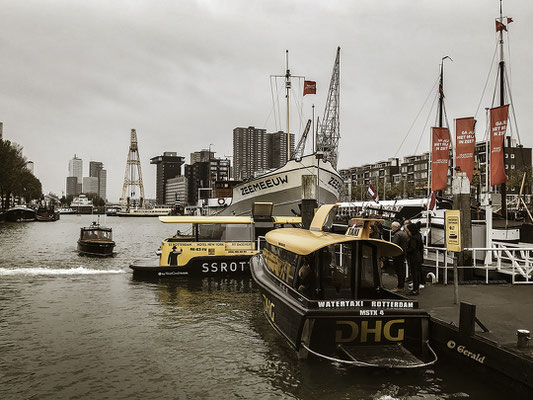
{"points": [[309, 202]]}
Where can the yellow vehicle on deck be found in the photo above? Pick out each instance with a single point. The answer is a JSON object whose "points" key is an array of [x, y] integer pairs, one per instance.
{"points": [[217, 245]]}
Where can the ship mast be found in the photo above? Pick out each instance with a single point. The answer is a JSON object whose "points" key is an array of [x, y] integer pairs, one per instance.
{"points": [[288, 87], [503, 186], [287, 96]]}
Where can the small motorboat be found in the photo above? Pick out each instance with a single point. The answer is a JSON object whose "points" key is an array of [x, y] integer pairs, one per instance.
{"points": [[96, 240], [322, 292]]}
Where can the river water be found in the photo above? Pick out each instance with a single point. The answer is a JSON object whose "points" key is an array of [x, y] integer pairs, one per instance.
{"points": [[74, 327]]}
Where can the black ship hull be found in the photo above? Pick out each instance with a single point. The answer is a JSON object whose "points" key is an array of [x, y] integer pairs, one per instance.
{"points": [[20, 215], [355, 332], [96, 248], [226, 266]]}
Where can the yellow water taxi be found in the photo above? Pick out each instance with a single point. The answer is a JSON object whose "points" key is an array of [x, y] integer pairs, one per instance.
{"points": [[323, 293], [216, 245]]}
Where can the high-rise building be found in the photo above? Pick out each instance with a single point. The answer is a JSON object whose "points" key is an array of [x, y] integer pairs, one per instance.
{"points": [[202, 155], [198, 181], [90, 184], [73, 188], [177, 191], [96, 170], [168, 167], [102, 184], [250, 151], [278, 148], [75, 168], [255, 151]]}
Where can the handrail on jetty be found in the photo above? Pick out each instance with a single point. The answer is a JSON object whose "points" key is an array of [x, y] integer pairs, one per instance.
{"points": [[506, 258]]}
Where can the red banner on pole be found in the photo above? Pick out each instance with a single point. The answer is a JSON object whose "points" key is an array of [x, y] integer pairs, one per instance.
{"points": [[309, 87], [498, 126], [440, 156], [465, 142]]}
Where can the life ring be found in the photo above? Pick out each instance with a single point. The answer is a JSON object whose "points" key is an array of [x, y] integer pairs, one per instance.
{"points": [[221, 201]]}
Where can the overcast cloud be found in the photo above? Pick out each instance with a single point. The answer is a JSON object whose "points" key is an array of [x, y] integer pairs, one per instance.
{"points": [[76, 76]]}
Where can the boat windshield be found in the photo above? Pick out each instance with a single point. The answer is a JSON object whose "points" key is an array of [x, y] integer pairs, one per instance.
{"points": [[96, 234], [336, 271], [224, 232]]}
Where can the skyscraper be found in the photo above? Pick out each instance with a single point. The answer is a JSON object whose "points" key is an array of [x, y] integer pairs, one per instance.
{"points": [[96, 170], [255, 151], [73, 187], [202, 155], [250, 147], [168, 166], [75, 168]]}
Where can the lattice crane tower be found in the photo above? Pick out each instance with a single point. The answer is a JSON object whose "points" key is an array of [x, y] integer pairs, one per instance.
{"points": [[329, 134], [133, 176]]}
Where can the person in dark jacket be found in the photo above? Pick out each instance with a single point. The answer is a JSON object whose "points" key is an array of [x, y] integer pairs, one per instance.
{"points": [[401, 239], [376, 230], [415, 255]]}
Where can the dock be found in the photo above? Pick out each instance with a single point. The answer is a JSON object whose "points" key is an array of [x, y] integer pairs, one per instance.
{"points": [[481, 329]]}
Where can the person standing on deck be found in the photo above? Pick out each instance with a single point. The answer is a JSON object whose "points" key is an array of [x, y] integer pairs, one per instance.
{"points": [[415, 255], [401, 239]]}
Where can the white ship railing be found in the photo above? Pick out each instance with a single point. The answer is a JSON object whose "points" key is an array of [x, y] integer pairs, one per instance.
{"points": [[507, 258]]}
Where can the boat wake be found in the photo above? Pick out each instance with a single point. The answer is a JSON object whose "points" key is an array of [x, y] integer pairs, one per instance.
{"points": [[58, 271]]}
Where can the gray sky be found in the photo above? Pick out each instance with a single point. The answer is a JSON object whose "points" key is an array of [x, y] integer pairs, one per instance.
{"points": [[76, 76]]}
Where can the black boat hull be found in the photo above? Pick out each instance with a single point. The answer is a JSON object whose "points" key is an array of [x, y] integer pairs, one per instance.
{"points": [[94, 248], [337, 330], [231, 266], [20, 215]]}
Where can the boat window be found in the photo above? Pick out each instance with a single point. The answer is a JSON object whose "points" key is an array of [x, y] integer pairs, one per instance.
{"points": [[90, 235], [105, 235], [306, 277], [336, 267], [367, 280], [224, 232], [281, 262]]}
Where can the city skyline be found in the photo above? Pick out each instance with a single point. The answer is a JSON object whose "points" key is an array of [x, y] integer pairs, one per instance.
{"points": [[183, 77]]}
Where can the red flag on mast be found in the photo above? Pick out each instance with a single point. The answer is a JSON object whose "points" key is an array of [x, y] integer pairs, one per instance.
{"points": [[309, 87], [440, 155], [465, 140], [498, 126]]}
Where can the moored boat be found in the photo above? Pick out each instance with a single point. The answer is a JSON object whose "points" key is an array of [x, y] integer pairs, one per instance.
{"points": [[47, 214], [96, 240], [144, 212], [215, 246], [20, 214], [322, 292]]}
